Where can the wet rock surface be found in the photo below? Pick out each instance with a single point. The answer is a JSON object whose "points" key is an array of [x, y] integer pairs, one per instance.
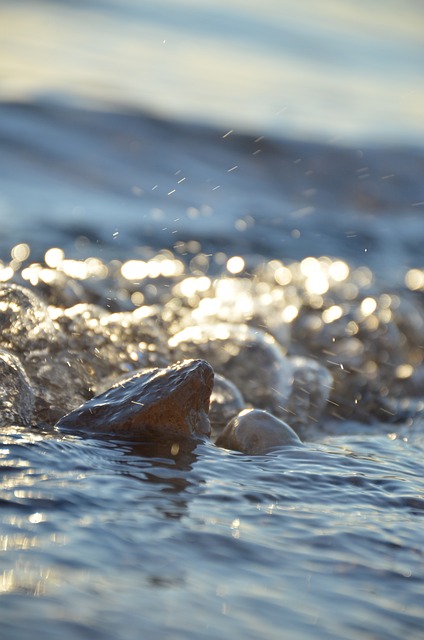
{"points": [[169, 403], [24, 320], [16, 395], [256, 432], [66, 353]]}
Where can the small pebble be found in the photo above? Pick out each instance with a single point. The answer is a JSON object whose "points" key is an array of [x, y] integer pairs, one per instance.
{"points": [[256, 432]]}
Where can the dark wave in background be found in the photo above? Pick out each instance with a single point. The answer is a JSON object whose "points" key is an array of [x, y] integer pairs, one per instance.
{"points": [[122, 180], [115, 121]]}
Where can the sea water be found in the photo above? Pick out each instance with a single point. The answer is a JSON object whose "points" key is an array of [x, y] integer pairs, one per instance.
{"points": [[147, 145]]}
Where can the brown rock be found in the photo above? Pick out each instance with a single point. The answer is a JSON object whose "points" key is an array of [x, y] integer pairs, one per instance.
{"points": [[158, 404]]}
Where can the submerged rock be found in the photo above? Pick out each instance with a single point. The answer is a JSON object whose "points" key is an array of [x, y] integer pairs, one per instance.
{"points": [[158, 404], [16, 395], [255, 432]]}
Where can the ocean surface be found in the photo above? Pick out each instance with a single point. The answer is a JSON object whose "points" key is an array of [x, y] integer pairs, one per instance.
{"points": [[252, 162]]}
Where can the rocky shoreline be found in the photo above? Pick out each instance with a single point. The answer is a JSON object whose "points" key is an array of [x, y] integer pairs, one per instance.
{"points": [[290, 346]]}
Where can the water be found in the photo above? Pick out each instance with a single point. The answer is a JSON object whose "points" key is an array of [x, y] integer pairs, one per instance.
{"points": [[326, 542], [156, 146]]}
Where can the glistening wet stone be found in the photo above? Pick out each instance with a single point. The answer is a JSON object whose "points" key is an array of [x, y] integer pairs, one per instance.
{"points": [[24, 320], [256, 432], [160, 404]]}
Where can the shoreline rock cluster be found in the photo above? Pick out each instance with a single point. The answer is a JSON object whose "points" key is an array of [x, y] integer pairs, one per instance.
{"points": [[207, 355], [49, 376]]}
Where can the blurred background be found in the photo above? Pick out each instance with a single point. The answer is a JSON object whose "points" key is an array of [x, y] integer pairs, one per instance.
{"points": [[285, 129], [319, 69]]}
